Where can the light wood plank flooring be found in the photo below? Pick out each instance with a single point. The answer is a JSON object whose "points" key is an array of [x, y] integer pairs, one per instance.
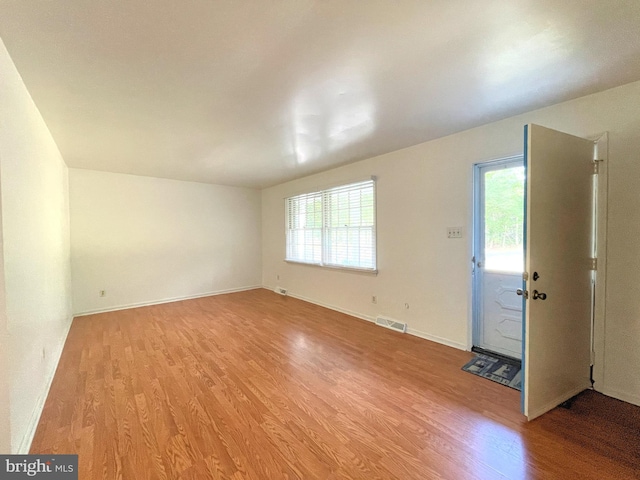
{"points": [[254, 385]]}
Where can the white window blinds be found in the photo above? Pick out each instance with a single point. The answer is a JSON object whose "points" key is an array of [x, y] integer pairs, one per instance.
{"points": [[334, 227], [304, 228]]}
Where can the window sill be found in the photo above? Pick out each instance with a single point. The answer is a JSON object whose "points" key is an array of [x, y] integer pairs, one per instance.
{"points": [[362, 271]]}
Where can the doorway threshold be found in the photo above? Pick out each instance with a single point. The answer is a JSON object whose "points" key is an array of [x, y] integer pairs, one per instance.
{"points": [[490, 353]]}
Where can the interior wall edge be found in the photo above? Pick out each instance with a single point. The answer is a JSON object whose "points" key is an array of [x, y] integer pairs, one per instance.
{"points": [[437, 339], [329, 306], [25, 444], [165, 300], [619, 395], [5, 420], [368, 318]]}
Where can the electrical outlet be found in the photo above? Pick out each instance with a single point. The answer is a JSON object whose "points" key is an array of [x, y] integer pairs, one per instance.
{"points": [[374, 299], [454, 232], [102, 293]]}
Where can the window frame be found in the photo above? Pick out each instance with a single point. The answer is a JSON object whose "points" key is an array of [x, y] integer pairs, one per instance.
{"points": [[325, 230]]}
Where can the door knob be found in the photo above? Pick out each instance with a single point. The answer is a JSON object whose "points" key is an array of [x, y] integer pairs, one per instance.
{"points": [[523, 293], [539, 295]]}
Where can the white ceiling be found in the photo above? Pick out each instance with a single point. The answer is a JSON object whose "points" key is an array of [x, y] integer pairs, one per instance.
{"points": [[256, 92]]}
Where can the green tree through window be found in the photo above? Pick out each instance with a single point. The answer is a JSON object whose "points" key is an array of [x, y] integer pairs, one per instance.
{"points": [[504, 218]]}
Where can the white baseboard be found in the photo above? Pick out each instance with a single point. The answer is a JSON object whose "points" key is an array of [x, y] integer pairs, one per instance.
{"points": [[56, 353], [435, 338], [410, 331], [332, 307], [165, 300], [624, 396]]}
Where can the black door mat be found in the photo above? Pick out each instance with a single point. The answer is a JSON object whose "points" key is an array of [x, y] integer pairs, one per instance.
{"points": [[506, 372]]}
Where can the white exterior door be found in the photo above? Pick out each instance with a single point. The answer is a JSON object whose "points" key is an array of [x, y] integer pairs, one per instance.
{"points": [[499, 261], [558, 250], [501, 330]]}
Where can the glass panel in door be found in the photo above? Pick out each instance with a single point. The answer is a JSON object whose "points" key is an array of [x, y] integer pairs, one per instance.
{"points": [[504, 219]]}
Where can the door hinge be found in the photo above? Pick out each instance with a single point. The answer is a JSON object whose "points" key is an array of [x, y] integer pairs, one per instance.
{"points": [[594, 264], [596, 165]]}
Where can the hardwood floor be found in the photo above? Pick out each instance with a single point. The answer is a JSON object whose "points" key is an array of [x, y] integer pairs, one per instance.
{"points": [[254, 385]]}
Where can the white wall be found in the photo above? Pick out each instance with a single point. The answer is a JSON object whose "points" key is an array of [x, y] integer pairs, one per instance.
{"points": [[146, 240], [5, 405], [35, 231], [5, 409], [5, 345], [425, 188]]}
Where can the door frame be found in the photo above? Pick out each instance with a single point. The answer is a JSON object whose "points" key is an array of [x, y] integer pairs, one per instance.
{"points": [[477, 207], [601, 142]]}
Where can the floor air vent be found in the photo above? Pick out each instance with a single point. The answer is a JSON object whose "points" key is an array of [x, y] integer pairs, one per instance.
{"points": [[280, 290], [392, 324]]}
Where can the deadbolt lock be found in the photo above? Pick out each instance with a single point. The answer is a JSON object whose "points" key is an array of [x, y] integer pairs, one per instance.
{"points": [[539, 295]]}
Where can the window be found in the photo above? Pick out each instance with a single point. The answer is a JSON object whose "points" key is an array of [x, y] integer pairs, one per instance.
{"points": [[334, 227]]}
